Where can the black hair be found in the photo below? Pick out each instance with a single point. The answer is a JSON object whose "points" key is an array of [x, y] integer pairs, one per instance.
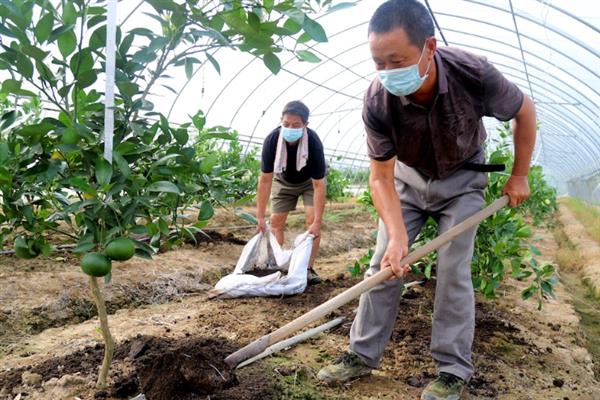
{"points": [[410, 15], [298, 108]]}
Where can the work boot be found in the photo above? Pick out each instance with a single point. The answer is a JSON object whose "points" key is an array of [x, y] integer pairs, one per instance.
{"points": [[347, 366], [312, 277], [445, 387]]}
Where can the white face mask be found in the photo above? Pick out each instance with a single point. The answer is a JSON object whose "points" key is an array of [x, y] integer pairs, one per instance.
{"points": [[403, 81]]}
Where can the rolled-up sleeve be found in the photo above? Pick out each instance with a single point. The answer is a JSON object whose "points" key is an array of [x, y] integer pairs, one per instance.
{"points": [[502, 98]]}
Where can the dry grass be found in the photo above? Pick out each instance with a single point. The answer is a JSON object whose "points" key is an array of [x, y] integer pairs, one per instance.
{"points": [[587, 214], [567, 255]]}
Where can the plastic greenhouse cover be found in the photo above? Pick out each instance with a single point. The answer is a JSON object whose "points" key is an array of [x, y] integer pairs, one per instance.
{"points": [[550, 49]]}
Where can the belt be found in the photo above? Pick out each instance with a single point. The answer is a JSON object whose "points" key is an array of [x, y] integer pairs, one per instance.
{"points": [[483, 167]]}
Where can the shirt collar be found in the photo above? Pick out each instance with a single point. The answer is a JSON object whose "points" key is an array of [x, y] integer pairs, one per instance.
{"points": [[442, 81]]}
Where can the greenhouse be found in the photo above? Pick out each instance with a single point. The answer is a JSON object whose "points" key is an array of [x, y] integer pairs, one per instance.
{"points": [[152, 158]]}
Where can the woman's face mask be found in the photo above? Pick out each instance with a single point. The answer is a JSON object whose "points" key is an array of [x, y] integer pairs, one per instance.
{"points": [[403, 81]]}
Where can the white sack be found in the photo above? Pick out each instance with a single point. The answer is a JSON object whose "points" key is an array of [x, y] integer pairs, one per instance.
{"points": [[263, 252]]}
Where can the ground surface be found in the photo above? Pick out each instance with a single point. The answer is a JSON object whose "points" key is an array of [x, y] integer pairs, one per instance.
{"points": [[172, 339]]}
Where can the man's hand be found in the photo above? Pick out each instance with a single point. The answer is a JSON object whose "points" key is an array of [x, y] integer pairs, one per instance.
{"points": [[261, 227], [517, 189], [395, 252], [315, 229]]}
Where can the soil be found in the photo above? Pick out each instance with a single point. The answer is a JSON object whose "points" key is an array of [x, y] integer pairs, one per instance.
{"points": [[171, 340]]}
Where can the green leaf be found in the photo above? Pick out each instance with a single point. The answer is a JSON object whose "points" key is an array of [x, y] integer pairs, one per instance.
{"points": [[248, 217], [206, 211], [272, 62], [535, 250], [527, 293], [189, 68], [199, 120], [163, 186], [69, 15], [292, 26], [314, 30], [181, 136], [67, 42], [306, 55], [10, 86], [44, 27], [128, 89], [208, 163], [122, 164], [305, 37], [34, 52], [340, 6], [86, 78], [98, 38], [4, 152], [24, 65], [214, 63], [103, 172], [81, 62]]}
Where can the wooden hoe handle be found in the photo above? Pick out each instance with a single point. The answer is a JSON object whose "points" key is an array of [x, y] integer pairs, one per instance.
{"points": [[316, 313]]}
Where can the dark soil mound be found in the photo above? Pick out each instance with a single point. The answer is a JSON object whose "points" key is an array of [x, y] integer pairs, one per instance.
{"points": [[186, 369]]}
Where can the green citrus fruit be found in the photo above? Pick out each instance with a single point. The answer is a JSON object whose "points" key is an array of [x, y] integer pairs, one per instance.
{"points": [[96, 264], [22, 250], [120, 249], [70, 136]]}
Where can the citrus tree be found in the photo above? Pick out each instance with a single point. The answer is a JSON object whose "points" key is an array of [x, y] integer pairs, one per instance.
{"points": [[53, 174]]}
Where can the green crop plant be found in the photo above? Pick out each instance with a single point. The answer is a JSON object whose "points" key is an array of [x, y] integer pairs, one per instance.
{"points": [[53, 174]]}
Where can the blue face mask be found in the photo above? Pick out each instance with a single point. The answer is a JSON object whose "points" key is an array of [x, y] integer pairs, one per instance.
{"points": [[403, 81], [291, 134]]}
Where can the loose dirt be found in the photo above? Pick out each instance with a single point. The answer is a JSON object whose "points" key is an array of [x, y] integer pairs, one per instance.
{"points": [[174, 348]]}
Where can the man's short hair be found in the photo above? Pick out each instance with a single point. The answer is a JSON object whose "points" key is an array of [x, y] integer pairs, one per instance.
{"points": [[409, 15], [298, 108]]}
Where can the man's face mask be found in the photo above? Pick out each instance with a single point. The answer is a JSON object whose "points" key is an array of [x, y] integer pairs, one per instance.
{"points": [[403, 81], [291, 134]]}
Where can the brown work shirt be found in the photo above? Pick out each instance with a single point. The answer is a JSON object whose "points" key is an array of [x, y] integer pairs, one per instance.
{"points": [[438, 139]]}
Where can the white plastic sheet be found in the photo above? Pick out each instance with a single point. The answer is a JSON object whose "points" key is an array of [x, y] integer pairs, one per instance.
{"points": [[263, 252]]}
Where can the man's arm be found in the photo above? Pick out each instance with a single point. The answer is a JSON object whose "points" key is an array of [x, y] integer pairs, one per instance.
{"points": [[320, 191], [265, 181], [387, 204], [524, 133]]}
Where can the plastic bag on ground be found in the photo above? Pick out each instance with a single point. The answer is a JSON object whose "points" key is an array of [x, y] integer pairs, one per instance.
{"points": [[263, 252]]}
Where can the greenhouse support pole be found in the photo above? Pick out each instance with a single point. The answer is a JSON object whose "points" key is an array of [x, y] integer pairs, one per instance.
{"points": [[109, 97]]}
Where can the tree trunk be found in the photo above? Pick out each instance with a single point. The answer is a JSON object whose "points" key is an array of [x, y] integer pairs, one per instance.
{"points": [[109, 344]]}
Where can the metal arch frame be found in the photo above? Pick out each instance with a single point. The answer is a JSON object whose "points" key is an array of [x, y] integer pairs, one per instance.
{"points": [[568, 57], [557, 31], [255, 59], [544, 89], [588, 119], [582, 21], [550, 27], [487, 38], [299, 78], [355, 137], [572, 120], [269, 76], [585, 105]]}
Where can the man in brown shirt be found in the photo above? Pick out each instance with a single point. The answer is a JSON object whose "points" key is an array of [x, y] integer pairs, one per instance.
{"points": [[423, 117]]}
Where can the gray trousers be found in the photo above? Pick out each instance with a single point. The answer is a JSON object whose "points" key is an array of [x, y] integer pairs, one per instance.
{"points": [[449, 201]]}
